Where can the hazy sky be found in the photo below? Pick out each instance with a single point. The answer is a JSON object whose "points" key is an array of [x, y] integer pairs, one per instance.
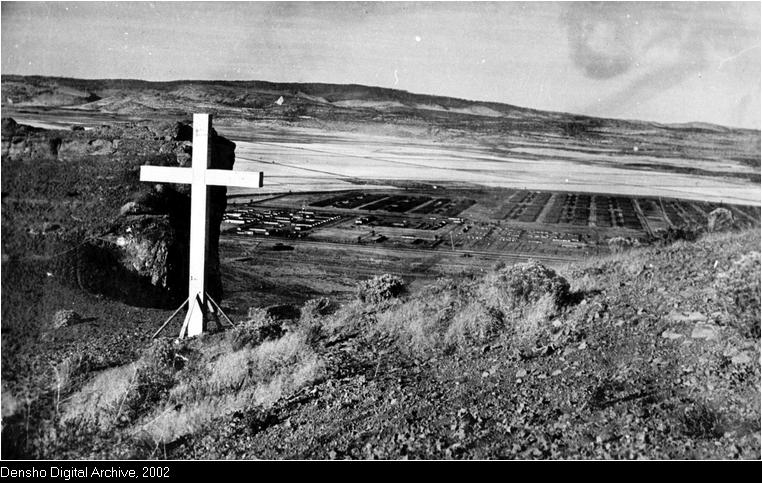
{"points": [[667, 62]]}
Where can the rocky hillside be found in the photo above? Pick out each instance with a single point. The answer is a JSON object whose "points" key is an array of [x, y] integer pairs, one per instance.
{"points": [[650, 353]]}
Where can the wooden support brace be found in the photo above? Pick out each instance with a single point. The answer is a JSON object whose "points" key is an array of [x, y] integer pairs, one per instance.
{"points": [[219, 309], [169, 319]]}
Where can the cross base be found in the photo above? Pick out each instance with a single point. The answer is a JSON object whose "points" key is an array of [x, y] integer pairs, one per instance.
{"points": [[199, 314]]}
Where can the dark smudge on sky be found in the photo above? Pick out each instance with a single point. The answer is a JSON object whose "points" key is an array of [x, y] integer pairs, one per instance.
{"points": [[600, 42], [654, 45]]}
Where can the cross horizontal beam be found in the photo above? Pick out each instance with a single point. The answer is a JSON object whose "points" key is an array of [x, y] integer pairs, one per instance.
{"points": [[213, 177]]}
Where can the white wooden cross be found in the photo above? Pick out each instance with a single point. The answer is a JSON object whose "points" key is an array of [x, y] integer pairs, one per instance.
{"points": [[200, 177]]}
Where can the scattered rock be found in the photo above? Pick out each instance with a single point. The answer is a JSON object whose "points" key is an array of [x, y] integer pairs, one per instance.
{"points": [[687, 317], [521, 373], [65, 318], [704, 331], [671, 335], [741, 358], [50, 227], [129, 208]]}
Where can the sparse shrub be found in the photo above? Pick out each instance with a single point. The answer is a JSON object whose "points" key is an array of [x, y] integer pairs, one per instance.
{"points": [[523, 284], [258, 327], [380, 288], [313, 318], [620, 243], [673, 235], [160, 352], [319, 307], [698, 420]]}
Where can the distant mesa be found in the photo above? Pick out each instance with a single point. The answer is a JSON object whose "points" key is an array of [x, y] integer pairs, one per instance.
{"points": [[253, 99]]}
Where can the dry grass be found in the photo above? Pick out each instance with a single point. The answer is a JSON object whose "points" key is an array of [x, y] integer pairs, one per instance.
{"points": [[10, 405], [166, 395], [258, 327], [64, 375], [420, 323], [739, 287], [250, 376], [534, 321], [348, 318], [100, 403], [475, 323]]}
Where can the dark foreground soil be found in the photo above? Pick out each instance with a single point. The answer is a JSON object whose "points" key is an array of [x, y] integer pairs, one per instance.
{"points": [[656, 354]]}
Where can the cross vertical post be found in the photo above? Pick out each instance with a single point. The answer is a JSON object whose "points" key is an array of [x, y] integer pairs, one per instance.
{"points": [[199, 227]]}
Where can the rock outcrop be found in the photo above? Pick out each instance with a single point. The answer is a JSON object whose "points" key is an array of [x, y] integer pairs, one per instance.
{"points": [[149, 240], [141, 257], [19, 140]]}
